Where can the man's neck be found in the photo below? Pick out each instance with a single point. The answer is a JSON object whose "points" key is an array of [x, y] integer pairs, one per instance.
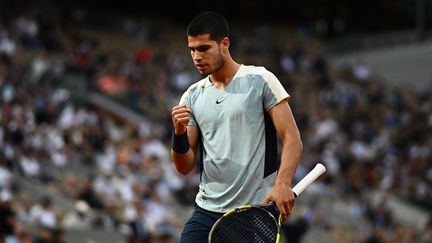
{"points": [[223, 77]]}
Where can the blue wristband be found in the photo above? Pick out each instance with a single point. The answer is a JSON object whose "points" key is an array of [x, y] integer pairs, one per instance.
{"points": [[180, 143]]}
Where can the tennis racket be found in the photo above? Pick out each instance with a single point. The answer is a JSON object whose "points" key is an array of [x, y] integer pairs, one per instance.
{"points": [[256, 223]]}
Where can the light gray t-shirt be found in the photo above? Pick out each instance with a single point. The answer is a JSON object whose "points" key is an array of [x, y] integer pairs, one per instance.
{"points": [[238, 141]]}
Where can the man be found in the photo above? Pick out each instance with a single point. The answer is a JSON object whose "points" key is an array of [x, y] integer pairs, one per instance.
{"points": [[231, 118]]}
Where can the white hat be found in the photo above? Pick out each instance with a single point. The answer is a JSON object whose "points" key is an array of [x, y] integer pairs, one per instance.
{"points": [[5, 195], [81, 206]]}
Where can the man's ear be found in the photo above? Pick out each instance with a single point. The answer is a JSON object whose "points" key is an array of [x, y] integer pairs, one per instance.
{"points": [[225, 44]]}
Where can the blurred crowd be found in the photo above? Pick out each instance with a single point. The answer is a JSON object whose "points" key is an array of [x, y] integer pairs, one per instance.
{"points": [[118, 175]]}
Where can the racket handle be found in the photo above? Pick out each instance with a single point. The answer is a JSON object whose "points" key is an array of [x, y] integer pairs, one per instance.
{"points": [[318, 170]]}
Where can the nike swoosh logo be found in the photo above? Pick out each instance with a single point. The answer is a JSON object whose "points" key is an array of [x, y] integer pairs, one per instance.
{"points": [[220, 100]]}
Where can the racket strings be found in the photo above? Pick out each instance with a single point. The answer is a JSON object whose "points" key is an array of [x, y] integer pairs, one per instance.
{"points": [[252, 225]]}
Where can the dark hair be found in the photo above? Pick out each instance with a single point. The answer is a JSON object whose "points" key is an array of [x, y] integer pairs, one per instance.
{"points": [[209, 23]]}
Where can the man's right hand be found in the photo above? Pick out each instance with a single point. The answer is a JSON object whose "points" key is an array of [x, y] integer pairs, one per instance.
{"points": [[180, 118]]}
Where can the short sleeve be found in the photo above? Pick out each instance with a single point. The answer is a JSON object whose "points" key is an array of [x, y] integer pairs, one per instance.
{"points": [[273, 92]]}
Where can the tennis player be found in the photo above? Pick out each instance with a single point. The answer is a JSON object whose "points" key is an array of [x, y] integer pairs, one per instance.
{"points": [[230, 120]]}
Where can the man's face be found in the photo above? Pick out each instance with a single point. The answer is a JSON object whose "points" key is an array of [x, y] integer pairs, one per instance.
{"points": [[207, 54]]}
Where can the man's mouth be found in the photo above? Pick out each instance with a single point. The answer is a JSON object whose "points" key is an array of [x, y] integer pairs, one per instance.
{"points": [[201, 67]]}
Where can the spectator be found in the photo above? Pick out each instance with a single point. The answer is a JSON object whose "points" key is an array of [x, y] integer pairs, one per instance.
{"points": [[123, 184], [427, 232], [42, 214], [6, 177], [44, 235], [89, 196], [80, 218], [7, 216], [104, 187], [361, 71], [140, 232]]}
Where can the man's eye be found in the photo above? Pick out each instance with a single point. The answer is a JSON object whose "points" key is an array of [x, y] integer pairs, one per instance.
{"points": [[204, 48]]}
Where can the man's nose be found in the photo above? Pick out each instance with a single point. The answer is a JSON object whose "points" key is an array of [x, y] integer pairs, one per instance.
{"points": [[197, 56]]}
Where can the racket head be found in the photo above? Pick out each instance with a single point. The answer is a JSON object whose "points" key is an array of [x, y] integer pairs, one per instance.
{"points": [[246, 224]]}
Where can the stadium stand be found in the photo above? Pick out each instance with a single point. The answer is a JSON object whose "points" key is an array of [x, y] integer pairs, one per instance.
{"points": [[85, 126]]}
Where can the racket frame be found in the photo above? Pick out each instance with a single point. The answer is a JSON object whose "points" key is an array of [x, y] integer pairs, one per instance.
{"points": [[263, 207]]}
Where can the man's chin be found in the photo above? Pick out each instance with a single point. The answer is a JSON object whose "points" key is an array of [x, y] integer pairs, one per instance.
{"points": [[204, 72]]}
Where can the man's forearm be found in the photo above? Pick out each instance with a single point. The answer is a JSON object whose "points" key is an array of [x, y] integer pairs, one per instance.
{"points": [[184, 162], [290, 157]]}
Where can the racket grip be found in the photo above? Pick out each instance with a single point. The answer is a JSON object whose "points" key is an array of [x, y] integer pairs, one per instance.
{"points": [[318, 170]]}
